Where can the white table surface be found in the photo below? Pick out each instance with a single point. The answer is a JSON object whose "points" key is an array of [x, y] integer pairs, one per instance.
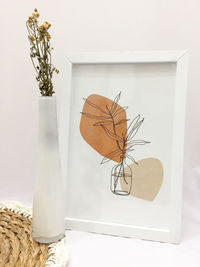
{"points": [[91, 250]]}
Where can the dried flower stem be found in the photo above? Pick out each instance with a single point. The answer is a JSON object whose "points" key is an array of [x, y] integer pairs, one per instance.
{"points": [[39, 39]]}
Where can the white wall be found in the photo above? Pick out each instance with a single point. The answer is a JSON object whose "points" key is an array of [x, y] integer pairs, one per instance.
{"points": [[88, 25]]}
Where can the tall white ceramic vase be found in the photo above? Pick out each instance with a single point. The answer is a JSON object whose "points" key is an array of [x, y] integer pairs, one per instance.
{"points": [[48, 202]]}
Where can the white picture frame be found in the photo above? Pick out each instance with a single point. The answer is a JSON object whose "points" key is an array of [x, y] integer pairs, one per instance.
{"points": [[179, 59]]}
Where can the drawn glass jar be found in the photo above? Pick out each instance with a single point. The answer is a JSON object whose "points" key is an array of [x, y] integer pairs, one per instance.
{"points": [[121, 179]]}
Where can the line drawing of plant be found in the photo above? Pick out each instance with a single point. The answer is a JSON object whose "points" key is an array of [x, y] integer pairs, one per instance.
{"points": [[124, 144]]}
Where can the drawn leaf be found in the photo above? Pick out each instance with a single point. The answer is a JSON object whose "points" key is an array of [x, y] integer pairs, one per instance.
{"points": [[108, 109], [115, 102], [137, 142], [131, 158], [94, 105], [129, 147], [99, 123], [121, 121], [112, 135], [120, 110], [111, 155], [94, 116], [124, 137], [134, 121], [135, 129]]}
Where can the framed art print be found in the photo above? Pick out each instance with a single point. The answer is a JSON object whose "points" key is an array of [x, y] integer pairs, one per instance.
{"points": [[121, 128]]}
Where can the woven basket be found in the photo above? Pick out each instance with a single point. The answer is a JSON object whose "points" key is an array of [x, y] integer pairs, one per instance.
{"points": [[17, 247]]}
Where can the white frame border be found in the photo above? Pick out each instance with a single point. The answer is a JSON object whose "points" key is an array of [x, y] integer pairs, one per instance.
{"points": [[181, 60]]}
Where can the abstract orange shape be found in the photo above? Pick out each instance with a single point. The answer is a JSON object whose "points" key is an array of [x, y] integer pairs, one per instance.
{"points": [[99, 129]]}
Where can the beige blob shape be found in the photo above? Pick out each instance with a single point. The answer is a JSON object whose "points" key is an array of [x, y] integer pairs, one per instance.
{"points": [[147, 178]]}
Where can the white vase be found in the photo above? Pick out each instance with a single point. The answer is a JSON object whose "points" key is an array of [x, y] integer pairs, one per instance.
{"points": [[48, 201]]}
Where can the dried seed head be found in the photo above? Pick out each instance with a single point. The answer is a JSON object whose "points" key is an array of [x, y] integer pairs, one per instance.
{"points": [[31, 37], [40, 29], [35, 15], [46, 25], [30, 24]]}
